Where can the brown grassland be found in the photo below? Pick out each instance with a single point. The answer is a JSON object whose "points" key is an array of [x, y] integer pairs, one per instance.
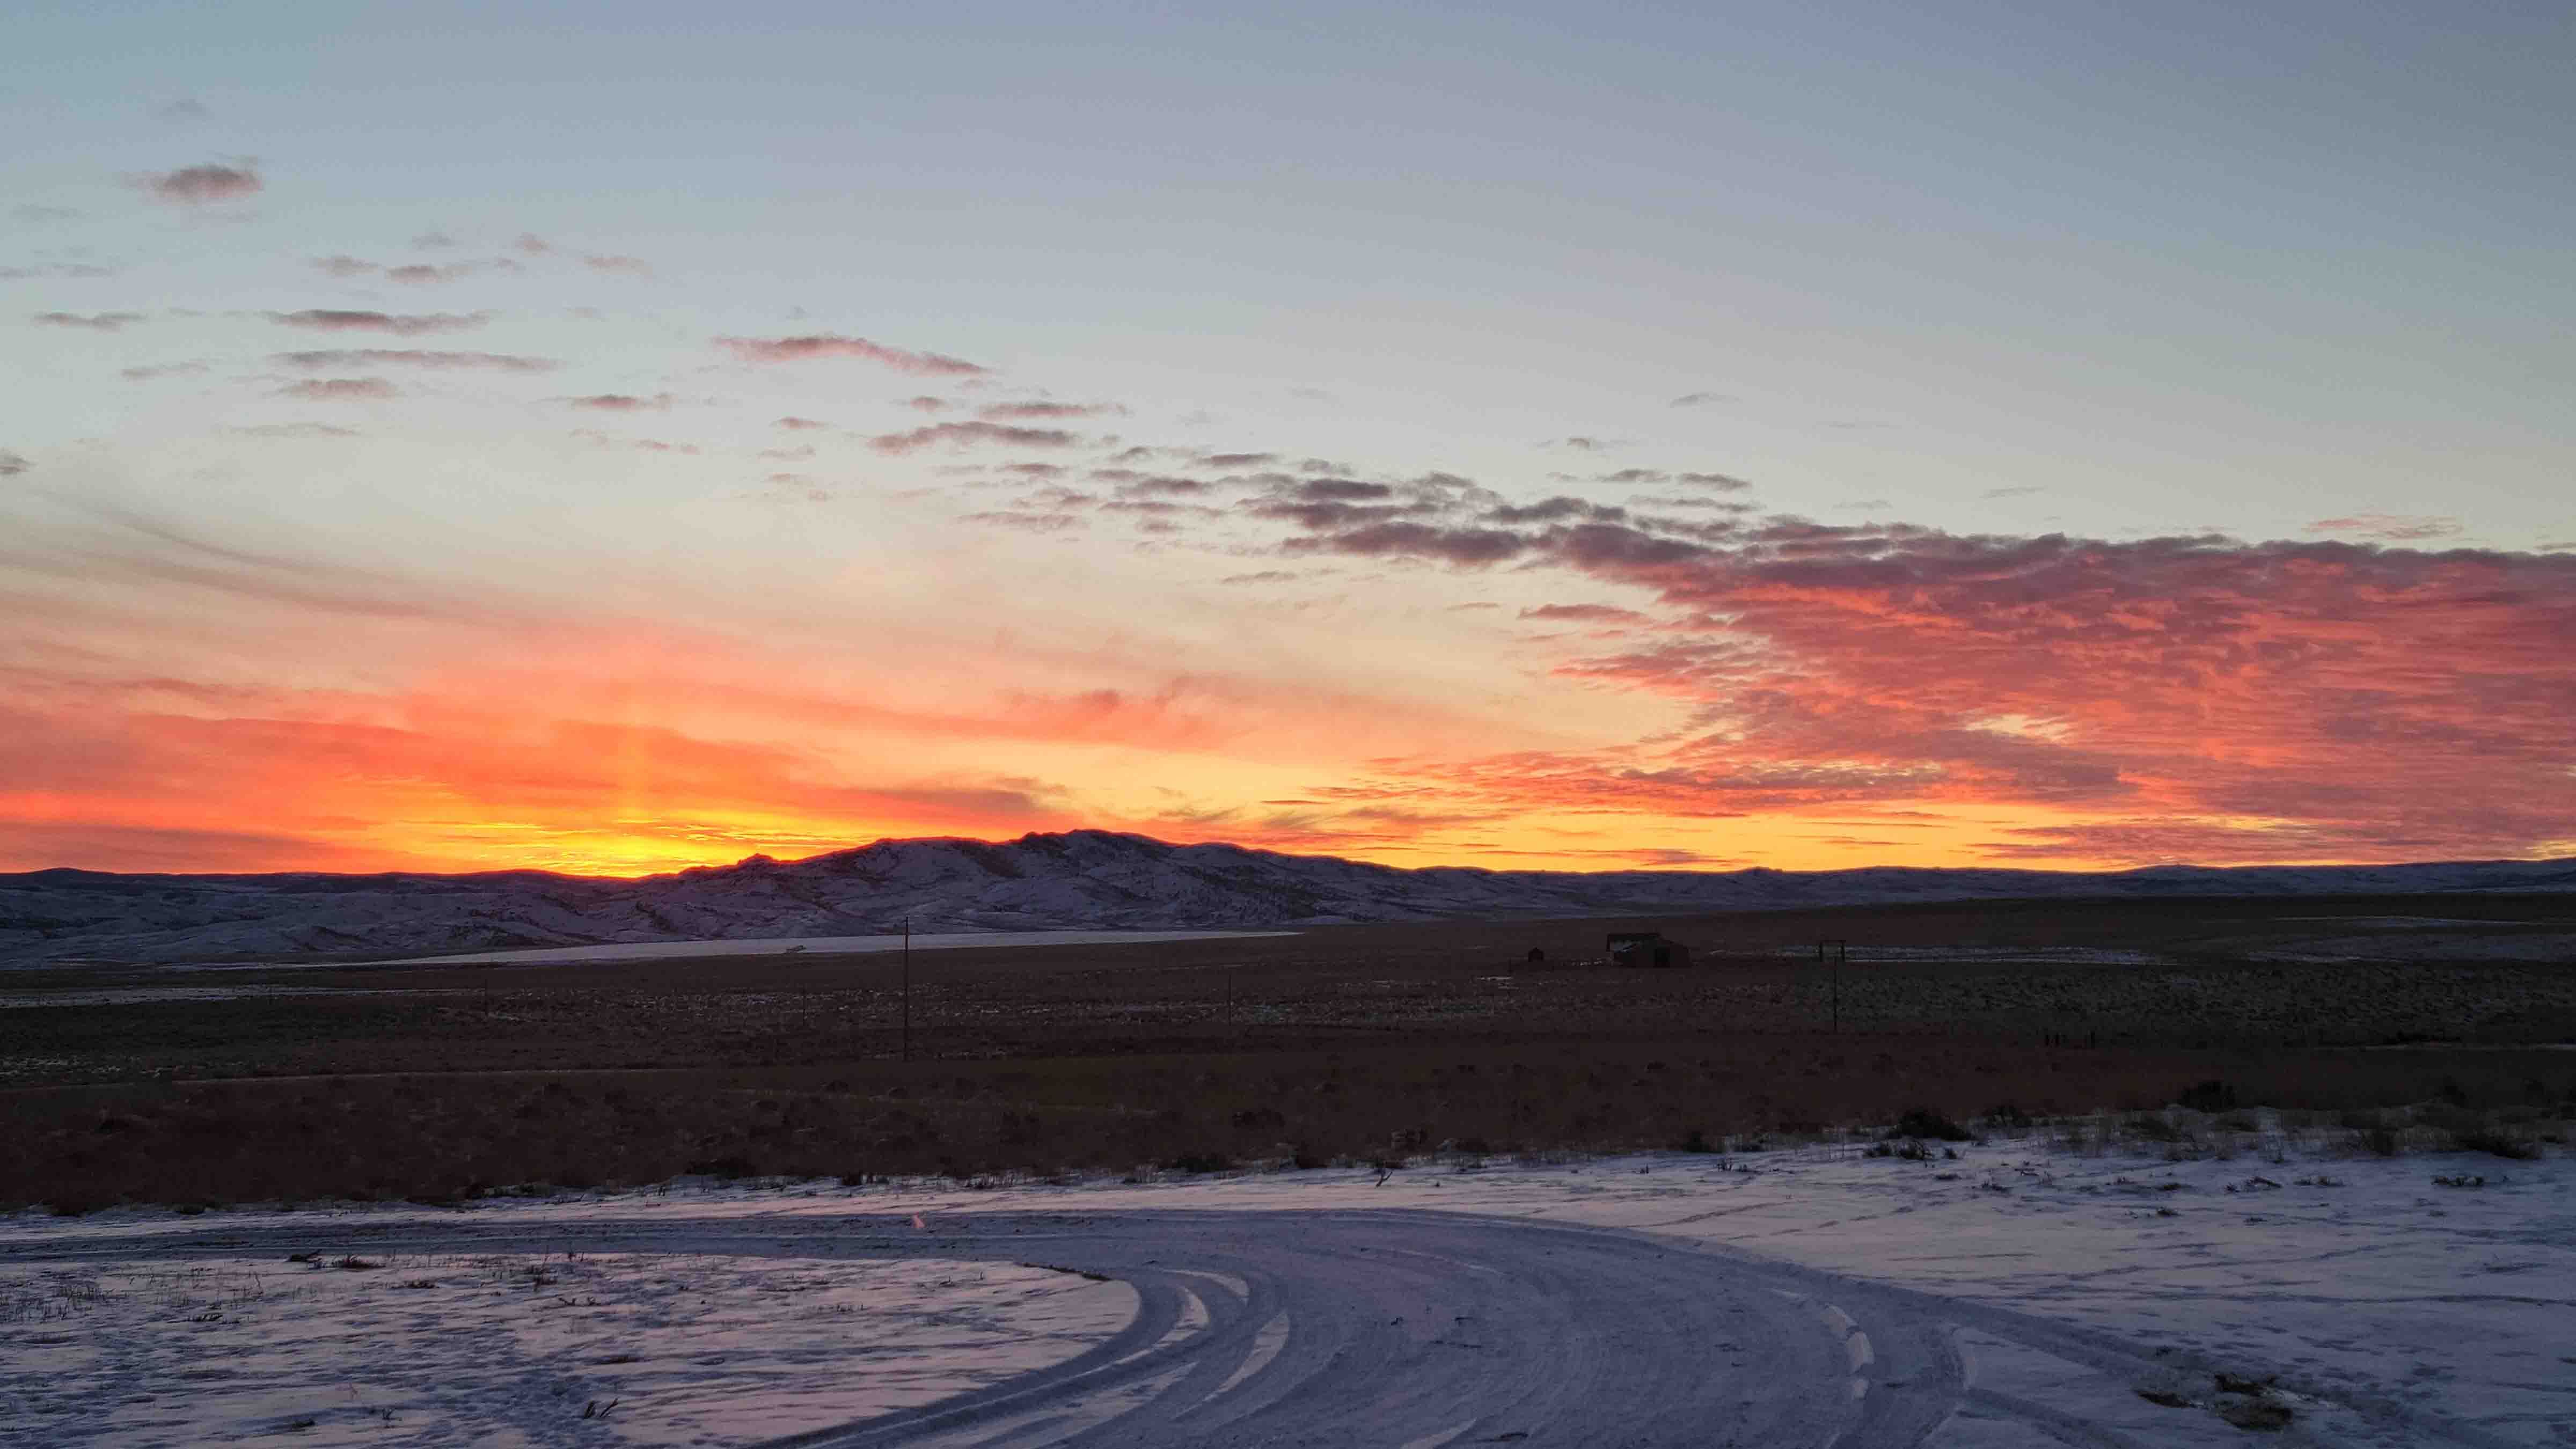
{"points": [[441, 1083]]}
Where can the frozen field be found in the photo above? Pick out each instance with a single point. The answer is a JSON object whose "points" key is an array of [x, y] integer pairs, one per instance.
{"points": [[2023, 1294]]}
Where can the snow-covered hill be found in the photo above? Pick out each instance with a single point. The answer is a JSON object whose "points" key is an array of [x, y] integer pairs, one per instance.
{"points": [[1082, 880]]}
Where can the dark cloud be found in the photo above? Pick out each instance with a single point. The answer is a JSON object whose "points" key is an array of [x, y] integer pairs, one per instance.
{"points": [[1472, 547], [1583, 444], [1553, 510], [1246, 460], [1716, 482], [1142, 485], [12, 464], [803, 349], [1264, 576], [185, 108], [1701, 399], [968, 434], [327, 319], [340, 389], [93, 321], [198, 185], [415, 357]]}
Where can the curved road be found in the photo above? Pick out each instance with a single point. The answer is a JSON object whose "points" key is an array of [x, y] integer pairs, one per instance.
{"points": [[1405, 1329]]}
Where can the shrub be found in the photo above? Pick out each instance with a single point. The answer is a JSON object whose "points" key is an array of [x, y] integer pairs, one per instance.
{"points": [[1924, 1122], [1201, 1162], [2496, 1144], [2211, 1096]]}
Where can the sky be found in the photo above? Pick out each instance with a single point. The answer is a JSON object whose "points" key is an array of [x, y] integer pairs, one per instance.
{"points": [[615, 438]]}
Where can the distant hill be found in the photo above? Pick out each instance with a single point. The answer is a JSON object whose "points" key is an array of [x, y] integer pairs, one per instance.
{"points": [[1083, 879]]}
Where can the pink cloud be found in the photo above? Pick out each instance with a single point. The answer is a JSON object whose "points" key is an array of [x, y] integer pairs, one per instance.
{"points": [[803, 349], [635, 266], [799, 425]]}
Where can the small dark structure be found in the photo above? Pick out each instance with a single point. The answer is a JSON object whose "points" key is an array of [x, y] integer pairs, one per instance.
{"points": [[1537, 956], [1646, 948]]}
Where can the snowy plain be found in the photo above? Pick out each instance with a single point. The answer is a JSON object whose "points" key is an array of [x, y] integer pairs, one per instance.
{"points": [[2035, 1291]]}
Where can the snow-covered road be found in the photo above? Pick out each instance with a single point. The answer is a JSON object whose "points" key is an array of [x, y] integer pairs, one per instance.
{"points": [[2016, 1297]]}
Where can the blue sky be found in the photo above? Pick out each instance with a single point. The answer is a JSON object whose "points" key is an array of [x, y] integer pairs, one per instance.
{"points": [[2292, 275]]}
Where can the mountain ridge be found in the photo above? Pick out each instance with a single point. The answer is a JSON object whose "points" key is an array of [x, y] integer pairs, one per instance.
{"points": [[1075, 880]]}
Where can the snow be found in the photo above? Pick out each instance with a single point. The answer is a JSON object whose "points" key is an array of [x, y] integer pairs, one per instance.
{"points": [[512, 1348], [2062, 1284], [819, 945], [1084, 880]]}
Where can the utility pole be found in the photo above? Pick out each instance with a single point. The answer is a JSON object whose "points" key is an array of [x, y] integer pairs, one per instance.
{"points": [[907, 988], [1839, 952]]}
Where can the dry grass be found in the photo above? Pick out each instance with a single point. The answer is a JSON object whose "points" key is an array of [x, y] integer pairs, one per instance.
{"points": [[1357, 1043], [449, 1138]]}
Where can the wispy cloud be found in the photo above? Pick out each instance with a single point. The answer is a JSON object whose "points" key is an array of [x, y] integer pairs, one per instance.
{"points": [[822, 345], [93, 321], [328, 319], [296, 430], [340, 389], [415, 357], [970, 434], [150, 371], [619, 402], [199, 185], [2388, 527], [1026, 411], [799, 425]]}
